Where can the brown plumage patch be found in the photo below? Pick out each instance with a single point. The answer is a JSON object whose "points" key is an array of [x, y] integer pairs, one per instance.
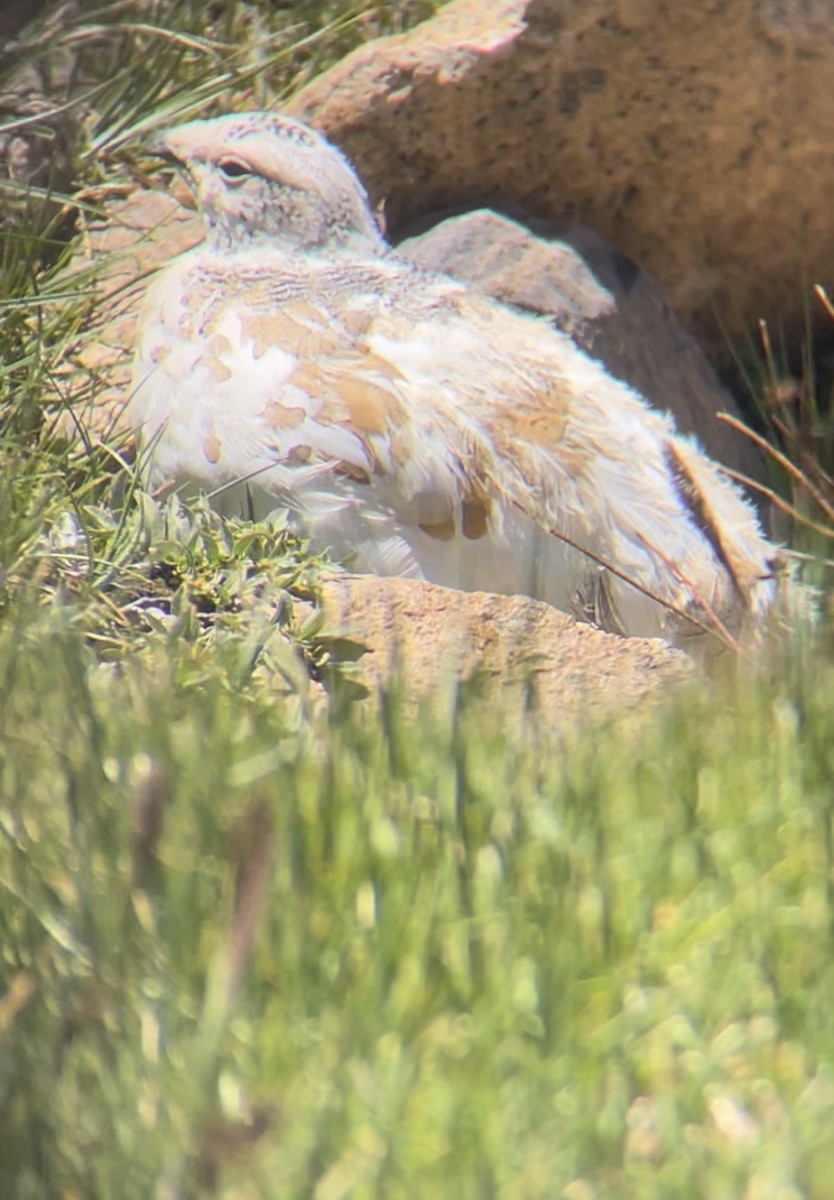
{"points": [[698, 506], [283, 416], [316, 343], [400, 447], [298, 456], [542, 422], [216, 368], [355, 322], [368, 404], [212, 448], [302, 310], [309, 378], [289, 331], [348, 398], [351, 471], [475, 521], [219, 344], [373, 363], [444, 531]]}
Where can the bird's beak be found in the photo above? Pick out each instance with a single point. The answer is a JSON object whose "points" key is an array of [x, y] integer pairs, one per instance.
{"points": [[160, 146], [181, 144]]}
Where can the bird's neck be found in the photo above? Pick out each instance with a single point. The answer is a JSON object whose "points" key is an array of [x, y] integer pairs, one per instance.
{"points": [[352, 242]]}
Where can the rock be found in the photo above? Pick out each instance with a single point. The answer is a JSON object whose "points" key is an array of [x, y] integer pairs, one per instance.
{"points": [[611, 307], [695, 137], [529, 655]]}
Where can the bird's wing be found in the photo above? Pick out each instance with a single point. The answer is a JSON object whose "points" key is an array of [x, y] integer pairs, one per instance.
{"points": [[266, 374], [588, 459], [451, 410]]}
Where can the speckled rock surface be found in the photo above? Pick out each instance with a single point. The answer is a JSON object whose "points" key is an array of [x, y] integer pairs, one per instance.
{"points": [[694, 137], [426, 639]]}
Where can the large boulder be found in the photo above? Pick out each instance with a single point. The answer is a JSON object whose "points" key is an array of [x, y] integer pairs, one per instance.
{"points": [[694, 137]]}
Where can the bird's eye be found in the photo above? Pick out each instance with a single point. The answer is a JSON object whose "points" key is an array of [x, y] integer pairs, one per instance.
{"points": [[233, 169]]}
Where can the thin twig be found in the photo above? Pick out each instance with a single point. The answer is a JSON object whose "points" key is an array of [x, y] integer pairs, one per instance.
{"points": [[822, 296], [667, 604], [810, 464], [782, 459], [696, 594], [777, 500], [803, 556]]}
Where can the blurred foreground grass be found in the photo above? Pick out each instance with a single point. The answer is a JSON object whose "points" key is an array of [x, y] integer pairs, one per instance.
{"points": [[252, 947], [254, 956]]}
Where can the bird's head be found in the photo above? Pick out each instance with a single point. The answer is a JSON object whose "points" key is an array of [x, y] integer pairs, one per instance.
{"points": [[261, 177]]}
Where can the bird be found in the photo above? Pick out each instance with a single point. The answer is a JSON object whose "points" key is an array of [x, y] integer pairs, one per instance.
{"points": [[294, 368]]}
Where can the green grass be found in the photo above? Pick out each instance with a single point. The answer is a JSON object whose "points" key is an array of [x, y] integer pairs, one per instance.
{"points": [[287, 957], [258, 946]]}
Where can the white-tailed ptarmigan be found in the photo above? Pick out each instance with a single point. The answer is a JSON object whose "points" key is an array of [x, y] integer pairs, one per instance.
{"points": [[411, 425]]}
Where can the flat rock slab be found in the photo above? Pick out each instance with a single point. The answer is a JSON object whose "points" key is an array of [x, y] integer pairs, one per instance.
{"points": [[425, 639], [694, 137]]}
